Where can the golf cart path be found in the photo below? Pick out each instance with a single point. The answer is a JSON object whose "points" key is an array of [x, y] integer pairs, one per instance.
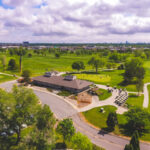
{"points": [[146, 96]]}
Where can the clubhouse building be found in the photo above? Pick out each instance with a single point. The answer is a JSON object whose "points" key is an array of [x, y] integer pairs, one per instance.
{"points": [[55, 81]]}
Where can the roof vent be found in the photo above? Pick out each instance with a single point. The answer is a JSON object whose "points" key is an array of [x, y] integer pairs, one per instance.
{"points": [[70, 78]]}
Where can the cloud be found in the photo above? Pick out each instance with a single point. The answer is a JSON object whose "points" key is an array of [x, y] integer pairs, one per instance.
{"points": [[75, 20]]}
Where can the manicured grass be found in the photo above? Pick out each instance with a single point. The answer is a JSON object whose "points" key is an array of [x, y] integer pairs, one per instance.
{"points": [[39, 64], [95, 117], [4, 78], [103, 94], [96, 78], [98, 119], [112, 78], [64, 93], [134, 100], [147, 68]]}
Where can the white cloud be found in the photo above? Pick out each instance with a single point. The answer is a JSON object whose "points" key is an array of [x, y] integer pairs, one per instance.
{"points": [[75, 20]]}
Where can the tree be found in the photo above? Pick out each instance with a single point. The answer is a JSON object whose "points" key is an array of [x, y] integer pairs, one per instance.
{"points": [[29, 55], [112, 120], [25, 110], [132, 69], [139, 85], [66, 129], [109, 65], [3, 59], [80, 141], [57, 55], [135, 141], [115, 57], [26, 75], [7, 108], [137, 120], [42, 136], [138, 53], [96, 63], [20, 52], [128, 147], [78, 65], [121, 67], [140, 73], [147, 53], [12, 64]]}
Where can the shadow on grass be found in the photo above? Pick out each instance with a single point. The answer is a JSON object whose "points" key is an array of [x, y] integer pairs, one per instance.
{"points": [[104, 131], [60, 145], [124, 83]]}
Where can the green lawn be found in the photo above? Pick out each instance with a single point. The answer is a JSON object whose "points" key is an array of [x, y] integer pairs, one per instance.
{"points": [[134, 100], [39, 64], [98, 119], [112, 78], [103, 94], [4, 78]]}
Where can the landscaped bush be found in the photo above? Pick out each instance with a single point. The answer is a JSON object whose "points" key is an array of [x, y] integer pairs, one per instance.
{"points": [[64, 93]]}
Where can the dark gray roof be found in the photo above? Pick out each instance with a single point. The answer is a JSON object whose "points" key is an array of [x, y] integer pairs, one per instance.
{"points": [[59, 81]]}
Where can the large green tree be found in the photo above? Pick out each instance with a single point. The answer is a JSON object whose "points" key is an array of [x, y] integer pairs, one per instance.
{"points": [[96, 63], [80, 141], [137, 120], [7, 108], [12, 64], [25, 110], [66, 129], [132, 68], [112, 120], [42, 136], [26, 75], [139, 85], [78, 65]]}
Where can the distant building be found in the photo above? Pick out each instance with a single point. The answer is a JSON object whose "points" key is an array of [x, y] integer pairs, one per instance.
{"points": [[69, 83], [25, 44]]}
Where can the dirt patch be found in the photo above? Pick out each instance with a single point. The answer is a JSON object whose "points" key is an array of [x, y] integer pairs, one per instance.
{"points": [[84, 99]]}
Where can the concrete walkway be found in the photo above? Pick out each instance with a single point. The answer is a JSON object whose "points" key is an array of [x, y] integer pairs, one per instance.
{"points": [[146, 96], [110, 101]]}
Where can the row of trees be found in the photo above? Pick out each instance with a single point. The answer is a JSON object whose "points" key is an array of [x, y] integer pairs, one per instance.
{"points": [[95, 62], [137, 120]]}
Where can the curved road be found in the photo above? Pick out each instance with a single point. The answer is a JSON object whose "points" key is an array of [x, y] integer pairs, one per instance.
{"points": [[64, 110]]}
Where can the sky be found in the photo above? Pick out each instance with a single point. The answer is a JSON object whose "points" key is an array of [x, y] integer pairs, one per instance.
{"points": [[75, 21]]}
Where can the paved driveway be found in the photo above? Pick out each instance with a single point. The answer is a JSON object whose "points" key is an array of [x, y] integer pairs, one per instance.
{"points": [[60, 108]]}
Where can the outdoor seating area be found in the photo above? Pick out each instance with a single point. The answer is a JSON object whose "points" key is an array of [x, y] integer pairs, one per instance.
{"points": [[121, 99]]}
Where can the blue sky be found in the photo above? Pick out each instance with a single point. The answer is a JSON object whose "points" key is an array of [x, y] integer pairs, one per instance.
{"points": [[75, 20]]}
